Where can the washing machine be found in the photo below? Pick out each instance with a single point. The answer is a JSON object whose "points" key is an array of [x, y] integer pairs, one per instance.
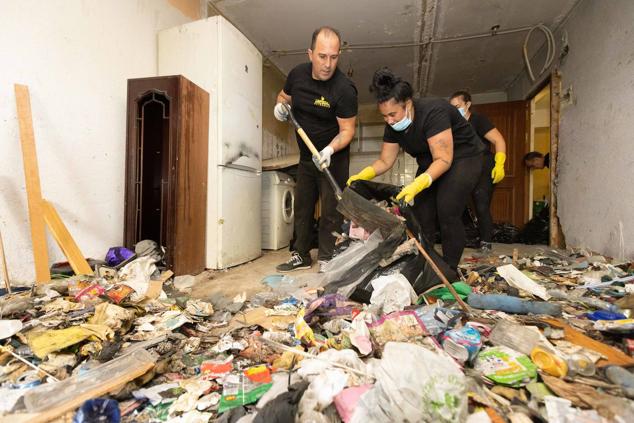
{"points": [[278, 200]]}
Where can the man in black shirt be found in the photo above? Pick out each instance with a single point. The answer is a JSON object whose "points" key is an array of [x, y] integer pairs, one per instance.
{"points": [[492, 167], [324, 102], [536, 160]]}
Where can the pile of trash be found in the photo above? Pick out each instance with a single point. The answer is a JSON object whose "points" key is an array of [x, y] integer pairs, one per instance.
{"points": [[544, 338]]}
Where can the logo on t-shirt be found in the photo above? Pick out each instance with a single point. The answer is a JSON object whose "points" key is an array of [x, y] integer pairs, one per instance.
{"points": [[322, 102]]}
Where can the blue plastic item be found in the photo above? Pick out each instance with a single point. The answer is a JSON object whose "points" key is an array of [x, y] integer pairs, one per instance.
{"points": [[604, 315], [514, 305], [98, 410]]}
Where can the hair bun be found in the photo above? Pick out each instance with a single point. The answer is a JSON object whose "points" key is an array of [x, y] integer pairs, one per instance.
{"points": [[384, 80]]}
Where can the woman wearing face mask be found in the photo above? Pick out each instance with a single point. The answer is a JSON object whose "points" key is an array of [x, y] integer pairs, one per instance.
{"points": [[446, 148], [492, 166]]}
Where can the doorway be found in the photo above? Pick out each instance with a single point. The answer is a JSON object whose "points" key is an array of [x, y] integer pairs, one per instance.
{"points": [[539, 179], [511, 118]]}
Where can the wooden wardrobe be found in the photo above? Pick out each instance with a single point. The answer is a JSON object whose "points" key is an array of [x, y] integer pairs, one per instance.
{"points": [[166, 168]]}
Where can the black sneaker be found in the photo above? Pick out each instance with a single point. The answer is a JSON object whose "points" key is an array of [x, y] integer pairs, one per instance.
{"points": [[296, 262]]}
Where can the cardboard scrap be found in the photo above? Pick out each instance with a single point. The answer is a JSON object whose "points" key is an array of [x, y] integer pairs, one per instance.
{"points": [[257, 316]]}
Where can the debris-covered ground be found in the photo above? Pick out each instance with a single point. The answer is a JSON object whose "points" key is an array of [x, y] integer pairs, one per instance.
{"points": [[545, 338]]}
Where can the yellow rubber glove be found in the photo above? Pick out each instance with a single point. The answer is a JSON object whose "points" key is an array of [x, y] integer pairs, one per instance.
{"points": [[410, 191], [365, 175], [497, 174]]}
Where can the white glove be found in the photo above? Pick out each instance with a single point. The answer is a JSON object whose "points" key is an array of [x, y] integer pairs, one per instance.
{"points": [[280, 112], [325, 155]]}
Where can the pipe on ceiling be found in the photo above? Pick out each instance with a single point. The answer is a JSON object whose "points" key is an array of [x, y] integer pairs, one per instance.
{"points": [[347, 46]]}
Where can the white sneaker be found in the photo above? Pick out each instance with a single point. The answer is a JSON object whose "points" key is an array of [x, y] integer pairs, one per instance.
{"points": [[322, 266]]}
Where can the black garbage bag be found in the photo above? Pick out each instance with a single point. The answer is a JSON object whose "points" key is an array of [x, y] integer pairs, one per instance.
{"points": [[537, 230], [409, 266], [505, 233], [283, 408], [415, 268], [368, 263]]}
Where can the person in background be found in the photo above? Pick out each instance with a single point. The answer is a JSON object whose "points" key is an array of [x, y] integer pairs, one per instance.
{"points": [[324, 102], [492, 167], [448, 153], [537, 160]]}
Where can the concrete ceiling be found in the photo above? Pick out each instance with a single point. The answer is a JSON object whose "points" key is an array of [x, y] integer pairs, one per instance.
{"points": [[281, 29]]}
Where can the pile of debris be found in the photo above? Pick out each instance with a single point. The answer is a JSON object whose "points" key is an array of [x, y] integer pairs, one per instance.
{"points": [[545, 338]]}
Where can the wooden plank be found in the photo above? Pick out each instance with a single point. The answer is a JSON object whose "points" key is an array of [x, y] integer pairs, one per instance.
{"points": [[556, 234], [614, 356], [65, 240], [32, 178], [5, 271]]}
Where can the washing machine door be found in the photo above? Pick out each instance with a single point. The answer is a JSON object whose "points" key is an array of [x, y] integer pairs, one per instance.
{"points": [[288, 205]]}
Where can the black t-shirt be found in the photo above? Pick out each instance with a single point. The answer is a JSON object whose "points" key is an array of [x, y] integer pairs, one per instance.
{"points": [[318, 104], [482, 126], [432, 116]]}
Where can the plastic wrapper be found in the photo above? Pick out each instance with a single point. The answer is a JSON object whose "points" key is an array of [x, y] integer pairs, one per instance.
{"points": [[245, 388], [437, 319], [505, 366], [615, 326], [211, 369], [401, 326], [100, 380], [413, 384], [392, 293]]}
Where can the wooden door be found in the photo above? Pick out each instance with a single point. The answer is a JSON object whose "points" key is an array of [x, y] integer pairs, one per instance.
{"points": [[509, 204]]}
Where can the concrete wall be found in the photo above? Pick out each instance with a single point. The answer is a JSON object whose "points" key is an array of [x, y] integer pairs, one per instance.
{"points": [[595, 172], [75, 56]]}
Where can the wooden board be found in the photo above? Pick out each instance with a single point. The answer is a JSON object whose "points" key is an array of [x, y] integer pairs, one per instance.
{"points": [[613, 355], [3, 263], [283, 162], [32, 178], [65, 240], [556, 234], [190, 194]]}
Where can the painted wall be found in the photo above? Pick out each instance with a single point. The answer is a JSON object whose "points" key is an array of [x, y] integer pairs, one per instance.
{"points": [[75, 56], [595, 190]]}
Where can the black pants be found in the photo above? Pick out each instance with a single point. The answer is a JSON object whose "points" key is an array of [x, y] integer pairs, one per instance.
{"points": [[311, 183], [443, 203], [481, 196]]}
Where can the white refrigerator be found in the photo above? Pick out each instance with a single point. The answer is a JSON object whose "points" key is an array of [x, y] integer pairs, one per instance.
{"points": [[213, 54]]}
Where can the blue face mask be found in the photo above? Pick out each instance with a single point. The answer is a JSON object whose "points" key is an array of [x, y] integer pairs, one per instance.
{"points": [[402, 124], [462, 112]]}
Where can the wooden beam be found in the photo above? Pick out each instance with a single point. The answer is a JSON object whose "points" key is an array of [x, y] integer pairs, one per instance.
{"points": [[65, 240], [5, 271], [32, 178], [556, 234]]}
